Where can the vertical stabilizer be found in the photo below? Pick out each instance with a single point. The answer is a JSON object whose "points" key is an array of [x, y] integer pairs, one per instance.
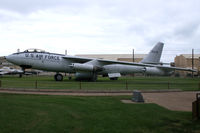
{"points": [[154, 55]]}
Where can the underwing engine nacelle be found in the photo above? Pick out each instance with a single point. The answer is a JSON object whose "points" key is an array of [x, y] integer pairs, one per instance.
{"points": [[154, 71], [90, 76], [85, 67], [86, 71]]}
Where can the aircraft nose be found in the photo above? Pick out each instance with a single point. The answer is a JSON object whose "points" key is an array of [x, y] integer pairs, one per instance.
{"points": [[6, 57], [9, 57], [13, 58]]}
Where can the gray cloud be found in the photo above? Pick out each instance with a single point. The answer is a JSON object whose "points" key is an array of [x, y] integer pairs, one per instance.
{"points": [[187, 30], [26, 6], [121, 24]]}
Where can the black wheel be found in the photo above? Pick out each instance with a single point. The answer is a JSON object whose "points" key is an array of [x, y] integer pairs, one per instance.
{"points": [[93, 78], [116, 78], [58, 77], [105, 75]]}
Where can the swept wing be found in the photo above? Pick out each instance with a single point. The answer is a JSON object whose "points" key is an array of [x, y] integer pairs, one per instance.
{"points": [[107, 62]]}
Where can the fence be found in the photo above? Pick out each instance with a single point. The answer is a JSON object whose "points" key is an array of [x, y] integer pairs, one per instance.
{"points": [[116, 85]]}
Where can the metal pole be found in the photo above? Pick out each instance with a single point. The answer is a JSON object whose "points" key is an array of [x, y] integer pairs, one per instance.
{"points": [[133, 59], [133, 56], [199, 86], [192, 62], [80, 85], [168, 84], [36, 84], [65, 52], [126, 85]]}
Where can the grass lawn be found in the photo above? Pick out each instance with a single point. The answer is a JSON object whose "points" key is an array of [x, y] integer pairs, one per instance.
{"points": [[131, 83], [58, 114]]}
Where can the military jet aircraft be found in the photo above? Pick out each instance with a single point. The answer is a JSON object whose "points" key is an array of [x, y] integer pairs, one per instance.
{"points": [[89, 68], [10, 71]]}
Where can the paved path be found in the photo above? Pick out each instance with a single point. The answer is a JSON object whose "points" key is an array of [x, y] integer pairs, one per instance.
{"points": [[68, 92], [176, 100]]}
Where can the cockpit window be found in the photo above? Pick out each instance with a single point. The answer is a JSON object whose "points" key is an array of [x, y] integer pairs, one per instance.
{"points": [[34, 50]]}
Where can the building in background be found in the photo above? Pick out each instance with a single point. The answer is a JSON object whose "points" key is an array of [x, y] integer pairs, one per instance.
{"points": [[117, 57], [185, 60]]}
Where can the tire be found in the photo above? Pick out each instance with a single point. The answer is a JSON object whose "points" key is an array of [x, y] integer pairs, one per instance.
{"points": [[58, 77], [93, 79], [116, 78]]}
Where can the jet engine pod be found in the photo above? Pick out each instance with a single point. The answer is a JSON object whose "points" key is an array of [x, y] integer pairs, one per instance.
{"points": [[85, 67], [154, 71], [90, 76], [82, 67]]}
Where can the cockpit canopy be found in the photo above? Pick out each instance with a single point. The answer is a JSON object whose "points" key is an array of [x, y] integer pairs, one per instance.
{"points": [[34, 50]]}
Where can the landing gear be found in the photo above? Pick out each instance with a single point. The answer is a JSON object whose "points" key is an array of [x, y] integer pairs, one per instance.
{"points": [[115, 78], [23, 72], [93, 78], [58, 77], [70, 76]]}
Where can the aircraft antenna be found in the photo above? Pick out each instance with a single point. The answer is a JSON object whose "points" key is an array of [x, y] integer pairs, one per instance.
{"points": [[65, 52]]}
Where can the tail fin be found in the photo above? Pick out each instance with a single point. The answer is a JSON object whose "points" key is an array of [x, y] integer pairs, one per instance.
{"points": [[154, 55]]}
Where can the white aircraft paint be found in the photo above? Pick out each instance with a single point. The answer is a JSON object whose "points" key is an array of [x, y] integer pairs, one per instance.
{"points": [[89, 68]]}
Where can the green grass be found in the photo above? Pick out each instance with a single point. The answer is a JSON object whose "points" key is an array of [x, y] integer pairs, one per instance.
{"points": [[144, 83], [58, 114]]}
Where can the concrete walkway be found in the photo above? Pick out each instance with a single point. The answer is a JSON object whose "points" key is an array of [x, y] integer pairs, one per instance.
{"points": [[177, 101], [171, 99]]}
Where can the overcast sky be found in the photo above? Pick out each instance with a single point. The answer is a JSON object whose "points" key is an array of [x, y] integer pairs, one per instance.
{"points": [[100, 26]]}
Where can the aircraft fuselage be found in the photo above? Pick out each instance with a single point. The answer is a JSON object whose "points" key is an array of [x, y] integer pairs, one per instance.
{"points": [[41, 61], [89, 68], [55, 63]]}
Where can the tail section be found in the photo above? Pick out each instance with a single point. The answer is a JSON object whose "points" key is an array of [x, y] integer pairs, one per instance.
{"points": [[154, 55]]}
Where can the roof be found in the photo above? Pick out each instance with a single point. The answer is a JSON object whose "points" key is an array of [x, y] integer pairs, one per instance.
{"points": [[111, 56], [190, 55]]}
